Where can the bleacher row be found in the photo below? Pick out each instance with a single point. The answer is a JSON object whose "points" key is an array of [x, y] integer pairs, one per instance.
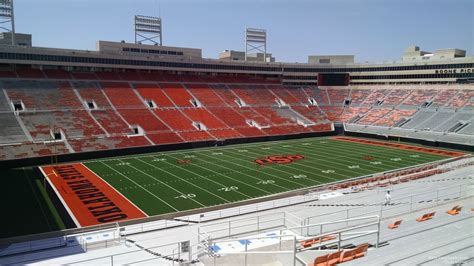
{"points": [[42, 116]]}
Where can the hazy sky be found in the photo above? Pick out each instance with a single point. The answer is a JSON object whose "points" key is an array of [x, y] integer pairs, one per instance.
{"points": [[373, 30]]}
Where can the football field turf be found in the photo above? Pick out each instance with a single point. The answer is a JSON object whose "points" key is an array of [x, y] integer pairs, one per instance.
{"points": [[169, 182]]}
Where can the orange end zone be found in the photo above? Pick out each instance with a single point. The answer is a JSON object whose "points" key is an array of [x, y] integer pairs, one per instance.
{"points": [[89, 199], [402, 146]]}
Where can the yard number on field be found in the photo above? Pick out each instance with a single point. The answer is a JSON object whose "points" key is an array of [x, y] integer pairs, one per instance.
{"points": [[185, 196], [266, 182], [396, 159], [328, 171], [298, 176], [228, 189]]}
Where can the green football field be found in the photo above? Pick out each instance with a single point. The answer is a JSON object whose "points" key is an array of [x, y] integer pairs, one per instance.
{"points": [[182, 180]]}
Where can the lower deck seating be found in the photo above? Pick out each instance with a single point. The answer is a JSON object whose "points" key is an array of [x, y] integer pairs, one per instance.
{"points": [[10, 129], [111, 122], [117, 142], [175, 119], [165, 138], [95, 114], [393, 117], [154, 93], [373, 115], [30, 149], [74, 124], [143, 118], [42, 95], [205, 117], [196, 136]]}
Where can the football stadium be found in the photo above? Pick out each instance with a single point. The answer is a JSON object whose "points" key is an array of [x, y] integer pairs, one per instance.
{"points": [[138, 153]]}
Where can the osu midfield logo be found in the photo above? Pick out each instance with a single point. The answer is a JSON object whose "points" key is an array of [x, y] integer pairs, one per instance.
{"points": [[279, 159]]}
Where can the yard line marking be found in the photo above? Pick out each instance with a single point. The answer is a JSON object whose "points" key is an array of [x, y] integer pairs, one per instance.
{"points": [[137, 184], [228, 177], [286, 189], [326, 140], [181, 193], [186, 180], [390, 151], [283, 171], [335, 151], [275, 142], [299, 170]]}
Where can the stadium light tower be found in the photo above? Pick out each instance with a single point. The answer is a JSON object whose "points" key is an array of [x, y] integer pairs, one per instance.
{"points": [[7, 20], [256, 40], [148, 29]]}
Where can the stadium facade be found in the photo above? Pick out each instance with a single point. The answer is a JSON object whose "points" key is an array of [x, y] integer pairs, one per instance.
{"points": [[417, 67]]}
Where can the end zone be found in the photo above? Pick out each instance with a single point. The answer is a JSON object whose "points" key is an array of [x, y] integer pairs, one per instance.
{"points": [[402, 146], [88, 199]]}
